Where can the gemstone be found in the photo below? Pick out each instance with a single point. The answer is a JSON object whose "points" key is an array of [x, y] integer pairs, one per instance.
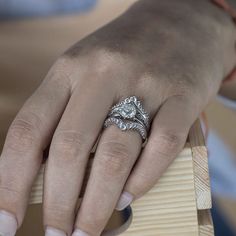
{"points": [[134, 99], [122, 126], [127, 100], [128, 111]]}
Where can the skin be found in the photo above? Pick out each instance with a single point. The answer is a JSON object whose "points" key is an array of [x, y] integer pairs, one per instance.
{"points": [[173, 55]]}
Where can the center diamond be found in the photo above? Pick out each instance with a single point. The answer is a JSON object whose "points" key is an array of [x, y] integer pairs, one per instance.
{"points": [[128, 111]]}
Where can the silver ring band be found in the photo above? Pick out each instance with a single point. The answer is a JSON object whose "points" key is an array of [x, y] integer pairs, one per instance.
{"points": [[129, 114], [127, 125]]}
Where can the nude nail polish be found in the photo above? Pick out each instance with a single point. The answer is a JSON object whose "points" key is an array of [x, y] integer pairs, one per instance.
{"points": [[79, 232], [124, 201], [8, 223], [50, 231]]}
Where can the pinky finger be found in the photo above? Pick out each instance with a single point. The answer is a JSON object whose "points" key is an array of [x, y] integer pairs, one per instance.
{"points": [[168, 135]]}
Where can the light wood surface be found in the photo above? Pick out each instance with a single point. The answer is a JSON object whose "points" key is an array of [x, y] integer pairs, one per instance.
{"points": [[205, 223], [170, 207], [201, 173]]}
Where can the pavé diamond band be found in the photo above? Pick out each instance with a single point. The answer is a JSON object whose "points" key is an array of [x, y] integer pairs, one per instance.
{"points": [[129, 114]]}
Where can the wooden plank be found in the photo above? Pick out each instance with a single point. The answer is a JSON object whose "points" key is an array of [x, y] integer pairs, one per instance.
{"points": [[167, 209], [200, 165], [205, 223]]}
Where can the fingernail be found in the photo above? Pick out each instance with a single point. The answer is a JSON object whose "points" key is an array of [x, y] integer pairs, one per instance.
{"points": [[8, 223], [79, 232], [50, 231], [124, 201]]}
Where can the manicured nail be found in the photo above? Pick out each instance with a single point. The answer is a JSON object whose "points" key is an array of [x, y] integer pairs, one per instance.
{"points": [[50, 231], [124, 201], [79, 232], [8, 223]]}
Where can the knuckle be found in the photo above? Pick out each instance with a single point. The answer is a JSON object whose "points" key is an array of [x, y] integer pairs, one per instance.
{"points": [[61, 73], [91, 223], [104, 60], [10, 191], [107, 61], [114, 157], [185, 82], [69, 143], [170, 139], [168, 143], [10, 195], [59, 215], [23, 133], [142, 184], [64, 63]]}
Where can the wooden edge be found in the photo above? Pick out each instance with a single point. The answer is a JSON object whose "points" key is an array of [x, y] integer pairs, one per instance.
{"points": [[205, 223], [200, 166]]}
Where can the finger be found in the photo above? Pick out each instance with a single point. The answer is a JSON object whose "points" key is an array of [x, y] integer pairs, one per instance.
{"points": [[71, 144], [26, 139], [168, 135], [114, 158]]}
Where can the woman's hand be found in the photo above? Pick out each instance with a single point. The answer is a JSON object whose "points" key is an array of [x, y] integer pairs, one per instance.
{"points": [[172, 55]]}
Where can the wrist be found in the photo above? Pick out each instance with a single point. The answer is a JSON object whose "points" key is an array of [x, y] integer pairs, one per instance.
{"points": [[191, 14]]}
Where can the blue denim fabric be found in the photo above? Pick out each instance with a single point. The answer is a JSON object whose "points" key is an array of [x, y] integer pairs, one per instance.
{"points": [[35, 8], [221, 226]]}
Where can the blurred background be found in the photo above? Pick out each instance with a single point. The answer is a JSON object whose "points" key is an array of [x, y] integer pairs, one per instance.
{"points": [[34, 33]]}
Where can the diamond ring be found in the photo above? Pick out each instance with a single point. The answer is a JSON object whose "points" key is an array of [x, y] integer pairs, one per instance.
{"points": [[129, 114]]}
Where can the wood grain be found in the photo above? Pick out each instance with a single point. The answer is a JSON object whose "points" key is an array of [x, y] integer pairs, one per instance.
{"points": [[205, 223], [200, 164], [170, 207]]}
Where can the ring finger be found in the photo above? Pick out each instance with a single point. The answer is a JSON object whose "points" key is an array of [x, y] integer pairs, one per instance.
{"points": [[116, 154]]}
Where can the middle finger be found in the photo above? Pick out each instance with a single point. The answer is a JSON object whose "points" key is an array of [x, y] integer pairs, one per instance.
{"points": [[113, 161]]}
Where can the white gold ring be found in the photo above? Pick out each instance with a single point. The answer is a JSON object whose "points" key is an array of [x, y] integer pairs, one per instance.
{"points": [[129, 114]]}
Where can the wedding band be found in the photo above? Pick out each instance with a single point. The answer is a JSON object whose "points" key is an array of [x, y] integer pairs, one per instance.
{"points": [[129, 114], [127, 125]]}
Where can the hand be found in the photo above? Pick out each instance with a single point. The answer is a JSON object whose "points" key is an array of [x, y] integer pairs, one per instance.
{"points": [[172, 55]]}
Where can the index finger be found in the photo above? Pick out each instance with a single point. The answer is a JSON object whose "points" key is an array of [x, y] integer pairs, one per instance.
{"points": [[28, 135]]}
